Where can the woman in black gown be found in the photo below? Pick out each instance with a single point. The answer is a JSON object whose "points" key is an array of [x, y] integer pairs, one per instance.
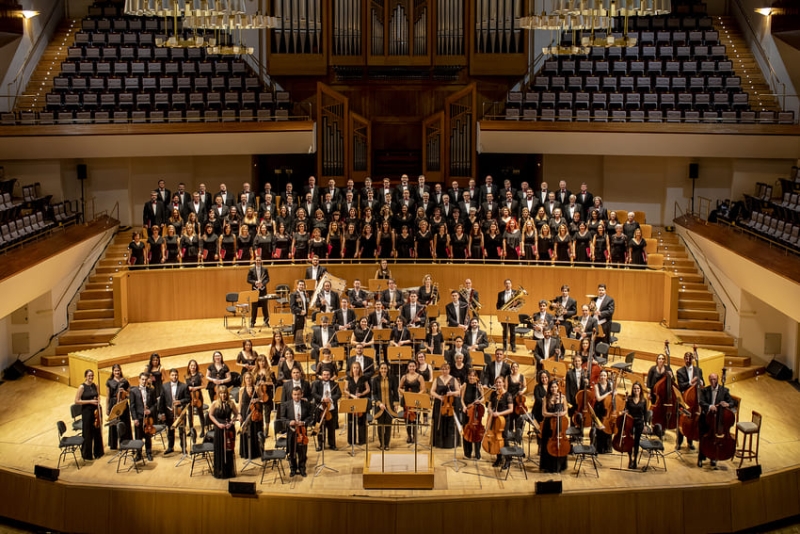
{"points": [[317, 246], [136, 249], [600, 254], [263, 242], [636, 407], [349, 246], [563, 245], [357, 388], [300, 242], [404, 244], [248, 441], [156, 248], [368, 243], [618, 245], [423, 246], [516, 386], [386, 241], [582, 244], [493, 242], [88, 397], [217, 374], [223, 415], [153, 369], [459, 243], [555, 405], [441, 244], [656, 373], [265, 377], [244, 245], [190, 247], [512, 241], [545, 245], [529, 238], [171, 245], [602, 389], [411, 382], [444, 428], [209, 245], [471, 393], [476, 242], [636, 250], [282, 243], [434, 340], [539, 393], [118, 387]]}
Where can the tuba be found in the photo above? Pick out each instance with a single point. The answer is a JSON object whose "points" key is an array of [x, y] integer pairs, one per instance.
{"points": [[516, 302]]}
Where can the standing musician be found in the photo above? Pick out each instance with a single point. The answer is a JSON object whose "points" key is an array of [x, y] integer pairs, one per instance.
{"points": [[546, 348], [88, 397], [287, 364], [471, 393], [434, 340], [602, 389], [315, 270], [143, 403], [444, 432], [415, 383], [605, 311], [217, 374], [358, 297], [117, 387], [458, 348], [344, 318], [297, 381], [508, 328], [357, 387], [325, 389], [326, 362], [554, 405], [194, 383], [297, 412], [688, 376], [587, 322], [174, 397], [247, 356], [472, 294], [248, 402], [385, 397], [263, 375], [636, 407], [499, 368], [516, 386], [322, 336], [427, 290], [475, 339], [298, 304], [712, 396], [501, 404], [575, 381], [258, 278], [327, 300], [570, 308], [367, 364], [400, 334], [542, 320], [223, 414], [391, 297], [414, 313], [457, 311], [377, 320], [656, 373]]}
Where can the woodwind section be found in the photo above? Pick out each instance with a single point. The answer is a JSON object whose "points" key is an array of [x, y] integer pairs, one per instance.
{"points": [[460, 125]]}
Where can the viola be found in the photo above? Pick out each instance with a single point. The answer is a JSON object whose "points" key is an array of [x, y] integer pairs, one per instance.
{"points": [[448, 406], [256, 413], [263, 392], [558, 444], [474, 430], [148, 424], [230, 438], [197, 398], [409, 415], [301, 434], [98, 417]]}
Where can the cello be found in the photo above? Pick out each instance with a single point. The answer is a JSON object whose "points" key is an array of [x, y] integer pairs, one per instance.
{"points": [[622, 441], [718, 443], [493, 434], [689, 414], [474, 430], [585, 399], [558, 445], [667, 397]]}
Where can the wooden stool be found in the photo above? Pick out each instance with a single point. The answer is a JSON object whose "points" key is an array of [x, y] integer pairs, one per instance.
{"points": [[748, 429]]}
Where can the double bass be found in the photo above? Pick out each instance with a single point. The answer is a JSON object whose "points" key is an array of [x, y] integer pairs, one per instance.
{"points": [[690, 412], [667, 398], [718, 444], [493, 438]]}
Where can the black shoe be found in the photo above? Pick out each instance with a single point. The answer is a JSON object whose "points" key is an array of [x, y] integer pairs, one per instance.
{"points": [[497, 462], [691, 446], [293, 472], [513, 348], [266, 324], [149, 457], [303, 472], [507, 464], [169, 451], [635, 465], [713, 463], [468, 457], [252, 325], [319, 448], [332, 448], [478, 456], [630, 464], [699, 462], [137, 458], [409, 439]]}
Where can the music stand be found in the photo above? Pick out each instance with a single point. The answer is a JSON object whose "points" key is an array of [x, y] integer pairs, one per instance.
{"points": [[249, 297], [311, 284], [571, 344], [436, 360], [455, 461], [417, 333], [353, 407], [450, 333], [394, 313], [381, 336], [398, 355], [420, 403], [322, 466], [375, 285], [343, 337], [556, 369], [321, 315], [361, 313], [113, 418]]}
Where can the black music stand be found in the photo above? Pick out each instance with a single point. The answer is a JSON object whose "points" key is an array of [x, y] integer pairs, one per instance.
{"points": [[353, 408]]}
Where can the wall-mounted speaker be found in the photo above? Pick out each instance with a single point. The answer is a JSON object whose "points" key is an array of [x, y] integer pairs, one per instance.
{"points": [[778, 371], [46, 473], [694, 171], [242, 488], [748, 473], [82, 175], [548, 487]]}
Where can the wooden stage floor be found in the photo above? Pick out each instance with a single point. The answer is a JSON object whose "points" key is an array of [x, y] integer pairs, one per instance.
{"points": [[33, 405]]}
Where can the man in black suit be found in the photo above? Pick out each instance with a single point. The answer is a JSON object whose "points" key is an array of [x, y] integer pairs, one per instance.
{"points": [[335, 192], [499, 368], [153, 213], [414, 314], [511, 204], [391, 297], [344, 318], [509, 334], [549, 347], [563, 194], [467, 202], [250, 195], [174, 396], [205, 197], [143, 403], [570, 306], [541, 320], [489, 188], [689, 375], [197, 207], [183, 195], [531, 202], [322, 336], [220, 207], [227, 197], [588, 324], [605, 311], [475, 339], [421, 188], [490, 207], [367, 364], [380, 317], [258, 278], [163, 193], [456, 311], [313, 190], [585, 199], [714, 396], [296, 413], [544, 194], [298, 304], [296, 381], [576, 378], [309, 204], [327, 300], [325, 389], [571, 208], [358, 297], [458, 348], [470, 293], [551, 204], [315, 270]]}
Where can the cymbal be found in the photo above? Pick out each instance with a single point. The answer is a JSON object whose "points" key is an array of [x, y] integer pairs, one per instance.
{"points": [[591, 296]]}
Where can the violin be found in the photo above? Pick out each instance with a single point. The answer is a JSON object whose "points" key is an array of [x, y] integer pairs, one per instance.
{"points": [[448, 406], [474, 430], [230, 438], [665, 408], [263, 393], [519, 405], [689, 413], [326, 413], [409, 415], [148, 424], [718, 443], [197, 398]]}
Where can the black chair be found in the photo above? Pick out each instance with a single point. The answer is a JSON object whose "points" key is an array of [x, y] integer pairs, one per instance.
{"points": [[516, 454], [652, 443], [75, 413], [274, 457], [601, 353], [582, 451], [129, 447], [67, 444], [204, 450], [614, 328], [626, 366], [230, 299]]}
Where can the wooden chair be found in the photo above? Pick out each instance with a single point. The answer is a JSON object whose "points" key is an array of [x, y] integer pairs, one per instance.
{"points": [[647, 230], [640, 217], [652, 246], [748, 429], [655, 261]]}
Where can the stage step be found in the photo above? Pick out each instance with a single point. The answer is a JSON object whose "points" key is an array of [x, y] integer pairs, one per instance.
{"points": [[699, 324], [737, 374], [729, 350], [91, 324], [695, 294], [100, 279], [696, 286], [689, 304], [56, 374], [98, 335], [108, 270], [112, 262], [78, 315], [93, 294], [55, 361], [737, 361], [63, 350], [693, 277], [702, 337], [706, 315], [679, 263], [105, 286], [96, 304]]}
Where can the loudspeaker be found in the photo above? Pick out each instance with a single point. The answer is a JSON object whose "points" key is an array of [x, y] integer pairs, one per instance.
{"points": [[46, 473], [748, 473], [694, 171], [548, 487], [242, 488], [15, 370], [82, 172], [778, 371]]}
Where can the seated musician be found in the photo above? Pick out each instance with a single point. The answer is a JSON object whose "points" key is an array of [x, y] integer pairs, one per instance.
{"points": [[473, 294], [358, 297], [143, 403], [362, 333], [414, 313], [297, 412], [323, 336], [400, 334], [499, 368], [541, 320], [324, 389], [714, 396], [457, 311], [344, 318], [174, 398], [568, 305], [391, 297], [326, 363], [327, 300]]}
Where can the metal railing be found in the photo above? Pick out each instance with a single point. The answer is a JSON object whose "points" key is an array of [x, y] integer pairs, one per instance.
{"points": [[496, 109], [48, 29]]}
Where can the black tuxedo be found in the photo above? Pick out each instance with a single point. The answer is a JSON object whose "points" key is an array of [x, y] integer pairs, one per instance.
{"points": [[151, 217], [568, 211], [536, 319], [480, 339], [550, 208], [201, 212], [206, 199], [542, 354], [683, 377], [571, 307], [418, 318], [286, 396], [164, 195], [605, 314], [333, 297], [386, 298], [138, 407], [344, 318], [296, 305], [166, 403], [490, 211], [255, 278], [450, 313], [315, 193], [329, 427], [320, 271], [483, 191], [513, 208], [573, 385], [591, 325], [383, 322], [227, 198], [316, 340], [563, 196], [358, 299], [368, 367], [509, 332], [586, 201], [490, 373], [298, 454], [532, 205]]}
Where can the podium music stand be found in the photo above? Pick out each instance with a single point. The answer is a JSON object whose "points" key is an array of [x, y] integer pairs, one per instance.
{"points": [[417, 333], [375, 285], [246, 300], [343, 337], [311, 284], [571, 344], [381, 337], [353, 407], [420, 403], [556, 369], [459, 432], [399, 355], [436, 360]]}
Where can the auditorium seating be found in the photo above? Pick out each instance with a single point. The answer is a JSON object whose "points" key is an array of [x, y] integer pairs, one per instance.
{"points": [[26, 218], [776, 219]]}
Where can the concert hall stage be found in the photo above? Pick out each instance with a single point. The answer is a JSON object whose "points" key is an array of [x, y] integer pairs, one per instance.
{"points": [[684, 498]]}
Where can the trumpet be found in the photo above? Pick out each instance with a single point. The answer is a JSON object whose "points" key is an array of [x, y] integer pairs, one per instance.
{"points": [[516, 302]]}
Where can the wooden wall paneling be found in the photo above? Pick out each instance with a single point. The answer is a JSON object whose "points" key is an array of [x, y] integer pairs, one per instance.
{"points": [[747, 505], [781, 492], [97, 502], [708, 508], [45, 504], [671, 297], [16, 496], [604, 509], [379, 517], [658, 511], [120, 288]]}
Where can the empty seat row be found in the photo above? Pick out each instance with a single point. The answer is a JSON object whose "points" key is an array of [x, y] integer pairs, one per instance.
{"points": [[23, 228], [152, 67], [636, 66], [600, 100], [672, 116], [102, 23], [773, 228], [134, 82], [715, 83], [165, 100], [120, 116]]}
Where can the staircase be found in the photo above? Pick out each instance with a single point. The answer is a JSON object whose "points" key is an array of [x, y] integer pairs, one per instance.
{"points": [[745, 66], [699, 319], [41, 81], [92, 322]]}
